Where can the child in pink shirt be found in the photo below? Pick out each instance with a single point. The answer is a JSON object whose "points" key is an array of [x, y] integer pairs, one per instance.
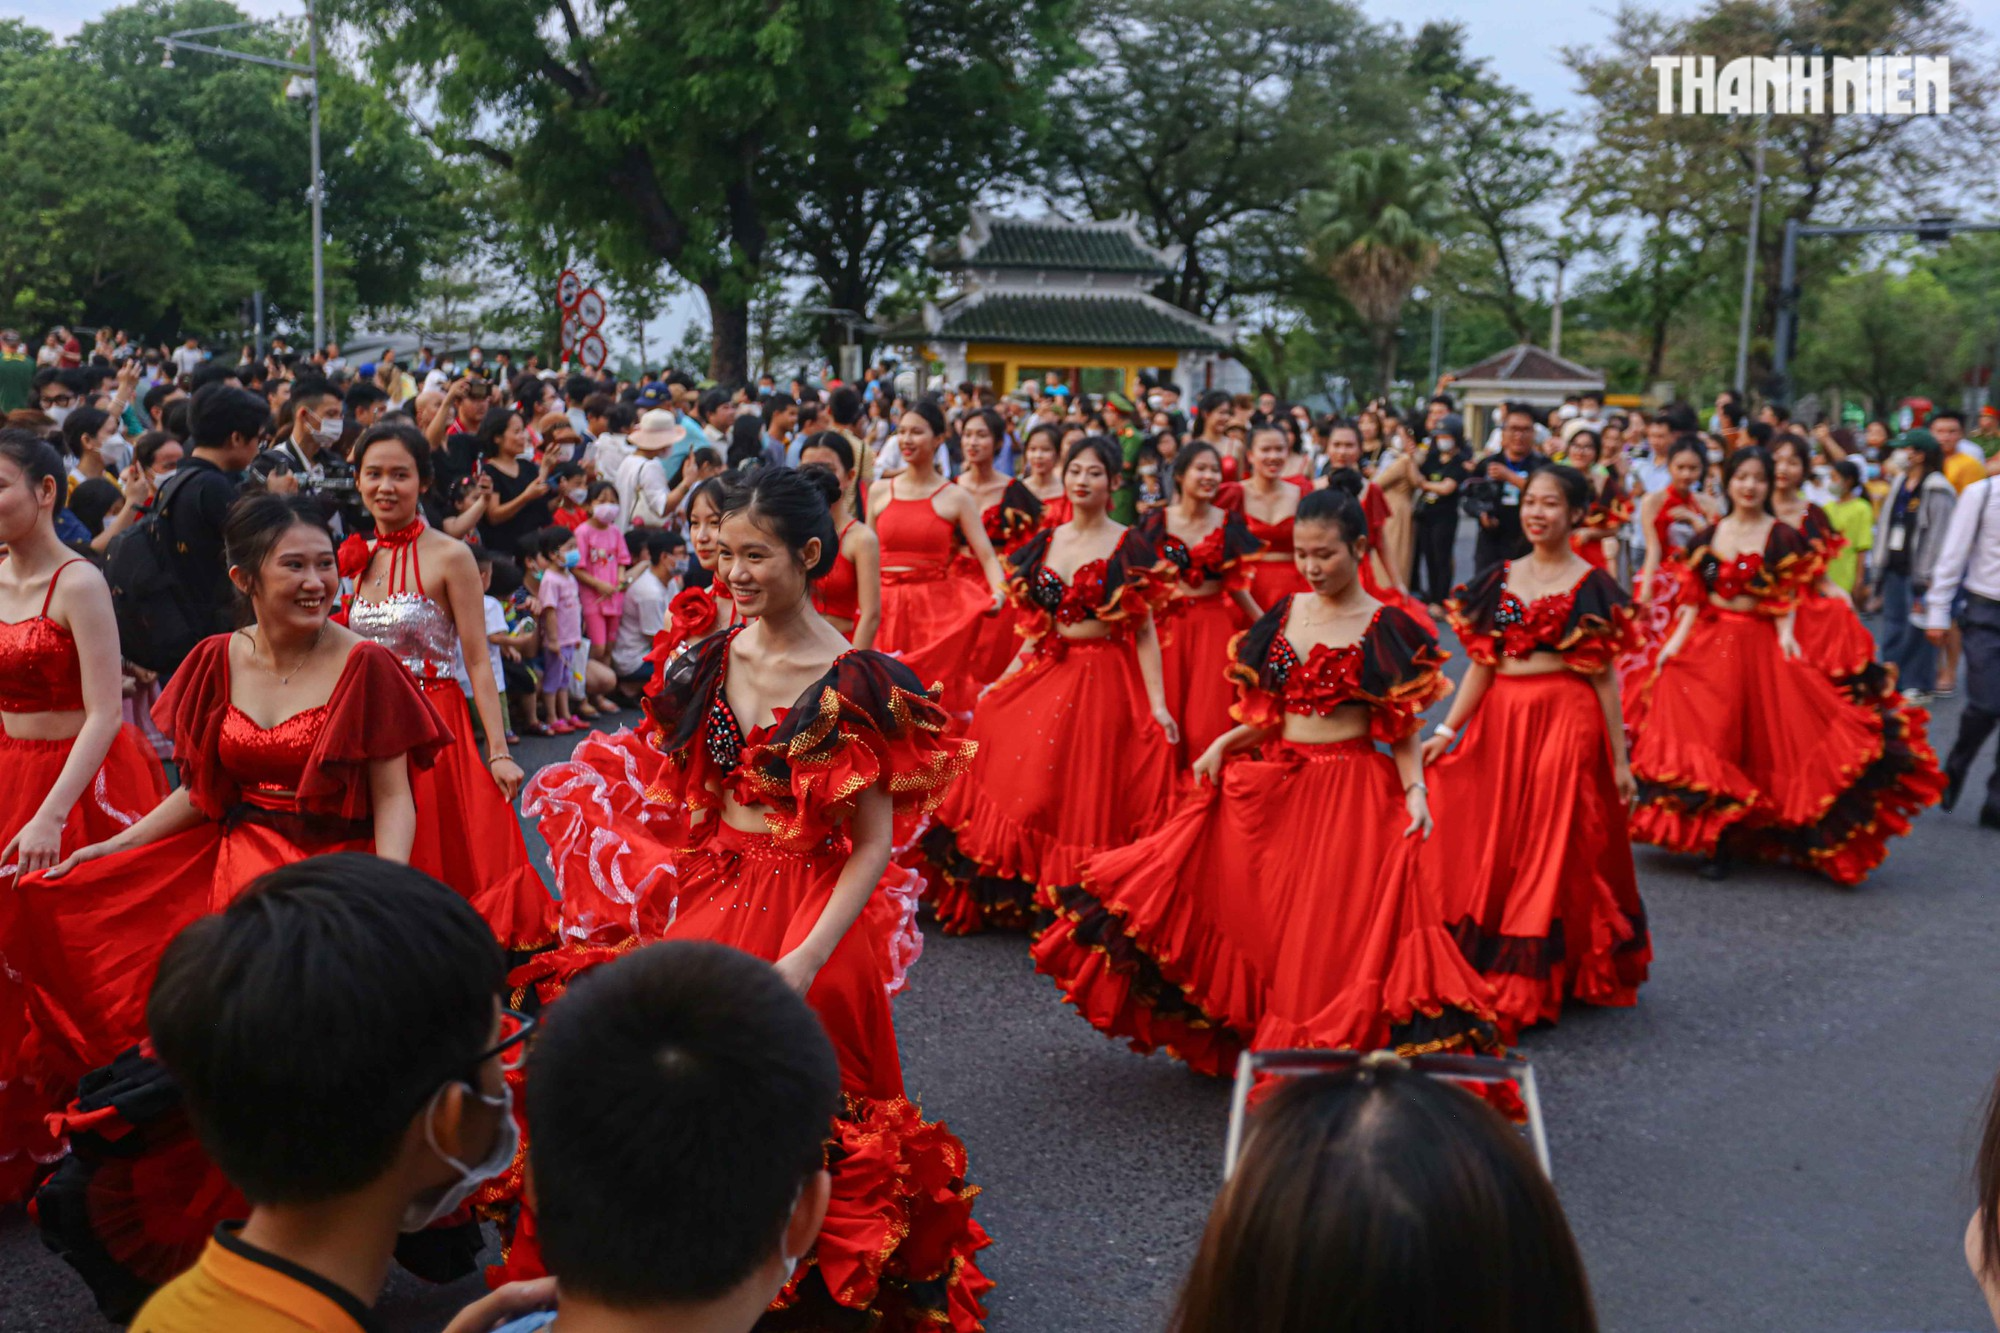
{"points": [[600, 571], [562, 628]]}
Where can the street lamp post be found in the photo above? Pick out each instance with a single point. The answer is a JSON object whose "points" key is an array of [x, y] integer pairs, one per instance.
{"points": [[177, 41]]}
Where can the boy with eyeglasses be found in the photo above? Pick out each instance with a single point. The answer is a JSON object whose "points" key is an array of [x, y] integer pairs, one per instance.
{"points": [[337, 1036]]}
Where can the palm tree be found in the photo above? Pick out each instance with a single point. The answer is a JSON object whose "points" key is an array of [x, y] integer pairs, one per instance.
{"points": [[1374, 233]]}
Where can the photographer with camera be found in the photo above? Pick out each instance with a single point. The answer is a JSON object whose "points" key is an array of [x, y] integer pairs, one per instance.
{"points": [[1493, 496], [307, 454]]}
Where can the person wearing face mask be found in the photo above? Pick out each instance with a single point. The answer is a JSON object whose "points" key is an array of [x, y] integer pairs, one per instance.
{"points": [[306, 451], [338, 1044], [705, 1230], [572, 495], [602, 561]]}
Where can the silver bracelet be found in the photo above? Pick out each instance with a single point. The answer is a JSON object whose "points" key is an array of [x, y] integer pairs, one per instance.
{"points": [[1444, 732], [1418, 785]]}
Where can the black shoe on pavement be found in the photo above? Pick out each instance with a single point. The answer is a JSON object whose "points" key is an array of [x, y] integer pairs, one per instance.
{"points": [[1954, 784], [1989, 819]]}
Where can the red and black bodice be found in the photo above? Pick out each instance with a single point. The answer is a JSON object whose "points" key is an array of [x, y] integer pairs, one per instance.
{"points": [[1395, 669], [1588, 624], [1117, 590], [1217, 557], [1772, 577]]}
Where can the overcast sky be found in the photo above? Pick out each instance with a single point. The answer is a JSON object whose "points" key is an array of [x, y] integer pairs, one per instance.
{"points": [[1521, 38]]}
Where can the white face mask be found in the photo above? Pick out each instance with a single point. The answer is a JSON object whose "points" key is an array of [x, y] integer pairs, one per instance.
{"points": [[59, 414], [328, 430], [417, 1214]]}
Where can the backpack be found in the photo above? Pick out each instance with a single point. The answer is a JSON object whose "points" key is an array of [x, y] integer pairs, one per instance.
{"points": [[156, 626]]}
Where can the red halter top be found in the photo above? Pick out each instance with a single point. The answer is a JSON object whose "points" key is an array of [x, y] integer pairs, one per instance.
{"points": [[914, 535], [39, 670], [838, 593]]}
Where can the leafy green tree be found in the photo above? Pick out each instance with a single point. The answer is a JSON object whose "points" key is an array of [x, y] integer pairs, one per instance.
{"points": [[1374, 232], [1499, 154], [1206, 118], [970, 120], [87, 218], [669, 132], [1880, 334]]}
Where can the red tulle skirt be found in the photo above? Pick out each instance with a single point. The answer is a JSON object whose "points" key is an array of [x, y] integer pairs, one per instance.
{"points": [[1745, 751], [1282, 910], [1533, 856], [1070, 763], [899, 1239], [468, 837], [1195, 633], [612, 837], [934, 623], [1271, 580], [128, 784]]}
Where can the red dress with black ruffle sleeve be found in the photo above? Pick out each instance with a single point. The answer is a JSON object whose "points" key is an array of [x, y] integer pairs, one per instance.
{"points": [[899, 1240], [1281, 907], [1532, 856], [1741, 750], [1197, 625], [1070, 759]]}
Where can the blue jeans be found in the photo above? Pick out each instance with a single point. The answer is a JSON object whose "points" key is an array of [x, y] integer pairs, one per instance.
{"points": [[1903, 643]]}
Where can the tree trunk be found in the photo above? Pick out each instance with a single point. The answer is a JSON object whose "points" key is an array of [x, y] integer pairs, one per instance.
{"points": [[1385, 357], [729, 337]]}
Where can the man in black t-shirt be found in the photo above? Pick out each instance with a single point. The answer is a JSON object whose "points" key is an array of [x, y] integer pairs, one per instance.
{"points": [[228, 427], [1500, 527]]}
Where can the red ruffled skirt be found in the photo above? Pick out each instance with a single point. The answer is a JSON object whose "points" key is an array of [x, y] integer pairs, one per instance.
{"points": [[1070, 763], [128, 784], [934, 623], [1832, 637], [1533, 856], [1195, 633], [1742, 750], [468, 837], [1282, 910], [612, 837], [996, 639], [899, 1239], [1271, 580]]}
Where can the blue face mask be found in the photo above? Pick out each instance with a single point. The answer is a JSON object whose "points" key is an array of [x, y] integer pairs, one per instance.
{"points": [[572, 558]]}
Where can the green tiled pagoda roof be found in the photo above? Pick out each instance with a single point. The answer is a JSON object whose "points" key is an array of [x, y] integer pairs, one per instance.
{"points": [[1090, 321], [1016, 244]]}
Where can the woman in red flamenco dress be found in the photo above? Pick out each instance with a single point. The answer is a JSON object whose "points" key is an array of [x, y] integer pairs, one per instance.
{"points": [[294, 737], [789, 757], [1534, 864], [930, 618], [1209, 549], [417, 593], [1830, 634], [1744, 748], [76, 772], [617, 834], [1076, 744], [1378, 579], [1280, 906], [850, 596], [1669, 518], [1269, 503], [1610, 509], [1011, 515]]}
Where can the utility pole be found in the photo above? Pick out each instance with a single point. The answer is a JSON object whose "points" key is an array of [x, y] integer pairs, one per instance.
{"points": [[1556, 312], [1750, 265], [1437, 336], [308, 88]]}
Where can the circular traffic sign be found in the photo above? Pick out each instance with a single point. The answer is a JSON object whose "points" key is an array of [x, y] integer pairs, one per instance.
{"points": [[592, 351], [590, 308], [568, 288], [569, 334]]}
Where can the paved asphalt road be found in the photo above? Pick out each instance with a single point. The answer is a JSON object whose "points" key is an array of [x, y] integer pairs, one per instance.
{"points": [[1777, 1138]]}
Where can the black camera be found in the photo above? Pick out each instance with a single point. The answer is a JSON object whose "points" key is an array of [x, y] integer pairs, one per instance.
{"points": [[1480, 496]]}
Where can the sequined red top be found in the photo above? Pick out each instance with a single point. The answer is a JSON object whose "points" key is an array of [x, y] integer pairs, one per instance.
{"points": [[1589, 624], [1218, 556], [1118, 590], [1395, 669], [866, 722], [39, 669]]}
